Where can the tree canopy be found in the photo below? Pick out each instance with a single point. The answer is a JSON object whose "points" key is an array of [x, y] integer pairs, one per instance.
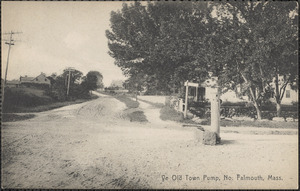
{"points": [[163, 44], [93, 80]]}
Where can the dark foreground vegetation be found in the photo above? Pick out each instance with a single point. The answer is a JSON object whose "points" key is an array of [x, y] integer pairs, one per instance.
{"points": [[6, 117], [26, 100], [33, 97]]}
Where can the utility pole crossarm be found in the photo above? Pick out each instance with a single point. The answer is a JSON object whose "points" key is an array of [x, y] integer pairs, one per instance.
{"points": [[12, 32]]}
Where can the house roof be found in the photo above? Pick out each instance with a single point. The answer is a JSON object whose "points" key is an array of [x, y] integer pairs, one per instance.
{"points": [[13, 82], [42, 74], [26, 78]]}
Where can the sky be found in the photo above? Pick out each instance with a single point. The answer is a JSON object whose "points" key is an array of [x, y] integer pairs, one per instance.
{"points": [[57, 35]]}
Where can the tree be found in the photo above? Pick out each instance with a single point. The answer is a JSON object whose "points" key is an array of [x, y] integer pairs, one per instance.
{"points": [[60, 85], [155, 40], [283, 48], [263, 46], [92, 80], [164, 44], [76, 76]]}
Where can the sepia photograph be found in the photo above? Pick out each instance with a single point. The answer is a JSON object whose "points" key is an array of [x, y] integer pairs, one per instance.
{"points": [[149, 94]]}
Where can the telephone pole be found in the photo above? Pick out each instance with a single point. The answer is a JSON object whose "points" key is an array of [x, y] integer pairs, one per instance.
{"points": [[10, 43], [70, 69]]}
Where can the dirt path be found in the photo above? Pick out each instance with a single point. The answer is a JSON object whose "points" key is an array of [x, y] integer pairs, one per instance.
{"points": [[91, 145], [152, 114]]}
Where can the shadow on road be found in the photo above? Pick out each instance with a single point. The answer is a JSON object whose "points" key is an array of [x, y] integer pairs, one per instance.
{"points": [[227, 142]]}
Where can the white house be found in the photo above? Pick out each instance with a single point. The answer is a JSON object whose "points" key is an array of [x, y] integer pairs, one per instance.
{"points": [[290, 95], [40, 79], [204, 92]]}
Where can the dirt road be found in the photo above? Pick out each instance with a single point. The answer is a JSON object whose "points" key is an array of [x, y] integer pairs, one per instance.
{"points": [[92, 145]]}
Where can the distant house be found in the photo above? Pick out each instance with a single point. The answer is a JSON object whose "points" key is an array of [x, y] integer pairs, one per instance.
{"points": [[41, 79], [12, 83], [203, 92], [290, 95], [118, 84], [26, 79]]}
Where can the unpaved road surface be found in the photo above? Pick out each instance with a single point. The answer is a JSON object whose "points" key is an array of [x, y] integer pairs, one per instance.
{"points": [[92, 145]]}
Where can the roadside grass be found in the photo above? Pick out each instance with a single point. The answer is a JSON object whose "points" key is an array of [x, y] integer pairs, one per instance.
{"points": [[137, 116], [167, 113], [32, 99], [134, 116], [269, 124], [30, 91], [129, 102], [10, 117], [50, 106], [158, 105], [243, 123]]}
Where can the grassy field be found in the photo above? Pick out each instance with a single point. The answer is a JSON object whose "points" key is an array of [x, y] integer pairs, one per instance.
{"points": [[6, 117], [28, 100], [30, 91], [47, 107]]}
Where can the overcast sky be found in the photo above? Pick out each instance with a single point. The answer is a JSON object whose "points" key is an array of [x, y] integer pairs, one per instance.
{"points": [[56, 35]]}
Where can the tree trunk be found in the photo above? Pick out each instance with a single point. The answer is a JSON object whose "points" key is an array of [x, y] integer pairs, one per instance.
{"points": [[258, 111], [278, 109], [253, 95]]}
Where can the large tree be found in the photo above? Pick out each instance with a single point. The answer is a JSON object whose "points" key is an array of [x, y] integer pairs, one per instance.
{"points": [[248, 43], [263, 46], [60, 85], [282, 47], [92, 80], [157, 40]]}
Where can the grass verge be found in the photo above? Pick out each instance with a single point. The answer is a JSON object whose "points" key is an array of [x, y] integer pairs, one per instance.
{"points": [[9, 117], [134, 116], [167, 113], [47, 107], [137, 116], [129, 102], [240, 123], [268, 124], [158, 105]]}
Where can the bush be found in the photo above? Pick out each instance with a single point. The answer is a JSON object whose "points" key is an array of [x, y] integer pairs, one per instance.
{"points": [[239, 104]]}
